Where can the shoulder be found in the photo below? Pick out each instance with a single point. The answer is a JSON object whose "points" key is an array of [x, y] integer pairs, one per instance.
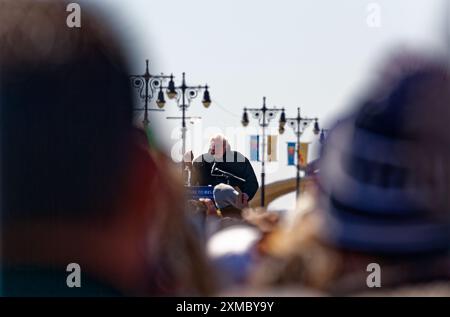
{"points": [[241, 157], [199, 159], [204, 158], [237, 153]]}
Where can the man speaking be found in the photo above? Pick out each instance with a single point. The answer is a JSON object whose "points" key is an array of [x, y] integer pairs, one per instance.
{"points": [[222, 165]]}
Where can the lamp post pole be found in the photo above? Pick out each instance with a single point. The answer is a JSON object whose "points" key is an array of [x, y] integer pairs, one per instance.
{"points": [[299, 125], [263, 155], [184, 94], [264, 115], [298, 134]]}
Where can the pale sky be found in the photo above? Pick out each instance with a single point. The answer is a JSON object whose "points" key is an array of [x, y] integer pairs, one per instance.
{"points": [[316, 54]]}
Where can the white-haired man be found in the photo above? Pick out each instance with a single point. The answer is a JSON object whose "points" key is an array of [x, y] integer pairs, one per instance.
{"points": [[222, 157]]}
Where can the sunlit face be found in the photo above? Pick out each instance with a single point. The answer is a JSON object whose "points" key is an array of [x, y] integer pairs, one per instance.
{"points": [[217, 147]]}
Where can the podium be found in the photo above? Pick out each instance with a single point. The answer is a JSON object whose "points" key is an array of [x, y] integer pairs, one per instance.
{"points": [[197, 192]]}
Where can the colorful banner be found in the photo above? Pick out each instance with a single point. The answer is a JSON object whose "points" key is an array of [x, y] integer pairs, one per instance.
{"points": [[303, 154], [254, 148], [272, 147], [291, 153]]}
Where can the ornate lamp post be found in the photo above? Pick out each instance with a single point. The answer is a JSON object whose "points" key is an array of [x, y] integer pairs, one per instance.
{"points": [[184, 94], [264, 115], [299, 125], [147, 85]]}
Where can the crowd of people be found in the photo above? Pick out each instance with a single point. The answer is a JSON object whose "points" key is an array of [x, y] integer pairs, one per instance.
{"points": [[80, 184]]}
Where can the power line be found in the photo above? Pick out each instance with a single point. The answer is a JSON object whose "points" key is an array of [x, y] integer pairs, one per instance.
{"points": [[226, 110]]}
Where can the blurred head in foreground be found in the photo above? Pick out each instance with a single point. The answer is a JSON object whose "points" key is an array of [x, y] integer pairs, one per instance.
{"points": [[383, 191], [79, 184]]}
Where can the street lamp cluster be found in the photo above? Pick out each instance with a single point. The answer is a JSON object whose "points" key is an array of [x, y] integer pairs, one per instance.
{"points": [[299, 124], [148, 84], [174, 92]]}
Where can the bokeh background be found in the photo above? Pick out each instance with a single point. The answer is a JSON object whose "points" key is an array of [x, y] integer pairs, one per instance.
{"points": [[317, 55]]}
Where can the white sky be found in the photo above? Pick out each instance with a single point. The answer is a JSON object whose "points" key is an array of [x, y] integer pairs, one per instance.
{"points": [[316, 54]]}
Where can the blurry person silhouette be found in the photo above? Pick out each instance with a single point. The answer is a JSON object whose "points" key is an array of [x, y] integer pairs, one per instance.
{"points": [[382, 197], [229, 201], [221, 156], [79, 182]]}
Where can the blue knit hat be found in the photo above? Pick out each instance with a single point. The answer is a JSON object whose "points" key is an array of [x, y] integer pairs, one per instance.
{"points": [[385, 171]]}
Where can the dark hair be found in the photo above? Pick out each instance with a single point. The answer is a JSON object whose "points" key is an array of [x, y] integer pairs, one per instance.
{"points": [[66, 113]]}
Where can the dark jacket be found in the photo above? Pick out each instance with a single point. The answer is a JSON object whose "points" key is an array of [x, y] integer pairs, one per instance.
{"points": [[232, 162]]}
